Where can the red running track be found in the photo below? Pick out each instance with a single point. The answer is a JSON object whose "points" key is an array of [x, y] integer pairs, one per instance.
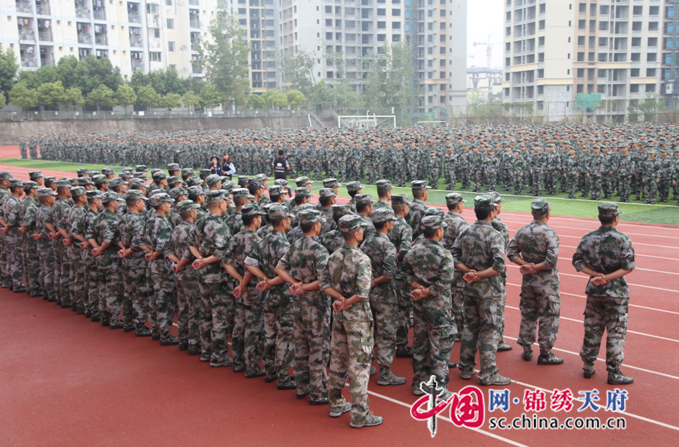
{"points": [[67, 381]]}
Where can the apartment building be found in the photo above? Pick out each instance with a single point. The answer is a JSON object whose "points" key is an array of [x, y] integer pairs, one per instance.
{"points": [[555, 50], [487, 81], [670, 44]]}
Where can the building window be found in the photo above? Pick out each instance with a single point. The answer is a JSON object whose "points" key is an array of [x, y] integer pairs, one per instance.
{"points": [[581, 72], [170, 46], [151, 8], [650, 88], [396, 12], [168, 2], [395, 25], [634, 88], [650, 72], [170, 23], [581, 88], [155, 56], [156, 33]]}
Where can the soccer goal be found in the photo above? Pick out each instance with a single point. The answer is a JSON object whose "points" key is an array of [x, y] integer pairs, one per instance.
{"points": [[366, 121]]}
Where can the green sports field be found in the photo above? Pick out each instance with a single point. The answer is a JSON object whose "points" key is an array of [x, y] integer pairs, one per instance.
{"points": [[635, 211]]}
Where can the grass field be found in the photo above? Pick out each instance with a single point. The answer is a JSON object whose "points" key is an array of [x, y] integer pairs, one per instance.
{"points": [[561, 206]]}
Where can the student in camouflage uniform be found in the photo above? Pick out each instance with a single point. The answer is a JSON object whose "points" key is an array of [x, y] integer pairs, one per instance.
{"points": [[12, 235], [55, 215], [479, 254], [503, 229], [93, 277], [420, 192], [333, 240], [364, 208], [76, 235], [429, 268], [4, 252], [456, 225], [571, 173], [383, 300], [535, 248], [401, 236], [278, 306], [28, 227], [347, 279], [44, 245], [353, 188], [606, 256], [301, 267]]}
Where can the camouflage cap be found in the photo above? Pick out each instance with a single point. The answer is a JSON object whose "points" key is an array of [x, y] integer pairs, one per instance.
{"points": [[302, 192], [434, 211], [483, 202], [453, 199], [108, 197], [107, 171], [254, 183], [241, 192], [140, 168], [243, 181], [382, 215], [383, 184], [126, 170], [305, 206], [116, 182], [281, 182], [540, 207], [171, 181], [496, 197], [229, 185], [399, 199], [275, 190], [44, 192], [48, 180], [203, 173], [158, 199], [608, 209], [186, 205], [363, 198], [176, 192], [331, 183], [15, 182], [310, 216], [34, 175], [251, 209], [340, 210], [135, 194], [302, 181], [261, 177], [216, 194], [81, 171], [140, 175], [212, 179], [159, 176], [350, 222], [4, 175], [194, 181], [419, 185], [186, 172], [63, 184], [277, 211], [326, 193], [77, 191], [432, 223], [84, 181], [173, 167], [94, 194], [138, 182], [194, 192], [354, 186]]}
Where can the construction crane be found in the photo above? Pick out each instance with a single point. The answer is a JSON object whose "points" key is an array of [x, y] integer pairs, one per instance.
{"points": [[489, 49]]}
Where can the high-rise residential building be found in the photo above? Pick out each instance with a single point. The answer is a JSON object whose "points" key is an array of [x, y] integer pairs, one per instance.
{"points": [[670, 55], [555, 50]]}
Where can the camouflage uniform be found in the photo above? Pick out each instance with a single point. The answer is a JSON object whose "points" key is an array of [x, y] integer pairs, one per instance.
{"points": [[32, 255], [73, 225], [456, 225], [135, 267], [46, 251], [56, 214], [13, 239], [401, 236]]}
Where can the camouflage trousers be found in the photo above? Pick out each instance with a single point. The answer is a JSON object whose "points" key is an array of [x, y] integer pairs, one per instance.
{"points": [[624, 188], [188, 298], [433, 339], [278, 339], [76, 275], [113, 295], [458, 309], [47, 267], [153, 318], [312, 339], [351, 345], [650, 190], [571, 186], [518, 184], [607, 186], [96, 291], [253, 337], [594, 185], [64, 277], [216, 316], [164, 301], [543, 303], [385, 324], [5, 273], [59, 252], [32, 265], [492, 181], [404, 306], [612, 315], [664, 189], [15, 260], [483, 319], [136, 300]]}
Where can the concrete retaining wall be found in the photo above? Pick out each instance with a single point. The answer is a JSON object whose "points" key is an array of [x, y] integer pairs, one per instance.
{"points": [[11, 131]]}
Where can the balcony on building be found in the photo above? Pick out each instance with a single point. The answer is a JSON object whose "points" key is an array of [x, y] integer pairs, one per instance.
{"points": [[99, 9], [42, 7], [194, 2], [84, 52], [45, 30], [29, 60], [194, 18], [26, 32], [137, 60], [133, 12], [84, 33], [24, 6], [100, 53], [136, 40], [100, 36], [82, 9], [195, 41], [46, 56]]}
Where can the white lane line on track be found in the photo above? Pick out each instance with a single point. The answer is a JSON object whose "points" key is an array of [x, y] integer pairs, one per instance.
{"points": [[594, 221], [588, 230], [628, 331], [638, 268], [635, 254]]}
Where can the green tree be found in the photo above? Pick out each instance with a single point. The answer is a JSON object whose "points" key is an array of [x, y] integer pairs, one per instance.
{"points": [[650, 107], [91, 72], [23, 97], [101, 96], [275, 98], [256, 102], [344, 97], [3, 101], [295, 98], [29, 79], [297, 70], [400, 77], [148, 97], [126, 96], [8, 70], [210, 97], [51, 94], [171, 100], [375, 87], [74, 97], [66, 70], [225, 57], [48, 74], [190, 99]]}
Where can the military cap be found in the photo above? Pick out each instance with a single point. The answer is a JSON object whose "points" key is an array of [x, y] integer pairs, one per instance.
{"points": [[135, 194], [62, 184], [44, 192], [34, 175], [158, 176], [483, 202], [158, 199], [173, 167], [94, 194], [453, 199], [350, 222], [138, 182], [383, 184], [81, 171], [117, 181], [195, 191], [126, 170], [254, 183], [229, 185], [496, 197], [663, 149], [216, 194], [212, 179], [275, 190], [302, 181], [108, 197], [302, 192], [186, 205], [241, 192], [354, 186], [340, 210], [261, 177], [382, 215], [140, 168], [77, 191], [14, 182], [171, 181], [243, 181], [186, 172], [203, 173], [107, 171], [194, 181], [331, 183], [434, 211], [363, 198], [419, 184], [399, 199], [608, 209], [305, 206], [326, 193], [48, 180], [176, 192], [251, 209], [310, 216], [283, 183], [126, 176], [97, 179], [140, 175], [4, 175], [277, 211], [540, 207], [652, 151], [30, 185], [432, 223]]}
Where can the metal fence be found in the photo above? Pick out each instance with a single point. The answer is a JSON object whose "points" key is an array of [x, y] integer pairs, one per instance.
{"points": [[146, 115]]}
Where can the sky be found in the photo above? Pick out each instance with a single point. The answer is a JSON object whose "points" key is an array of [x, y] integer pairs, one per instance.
{"points": [[484, 17]]}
